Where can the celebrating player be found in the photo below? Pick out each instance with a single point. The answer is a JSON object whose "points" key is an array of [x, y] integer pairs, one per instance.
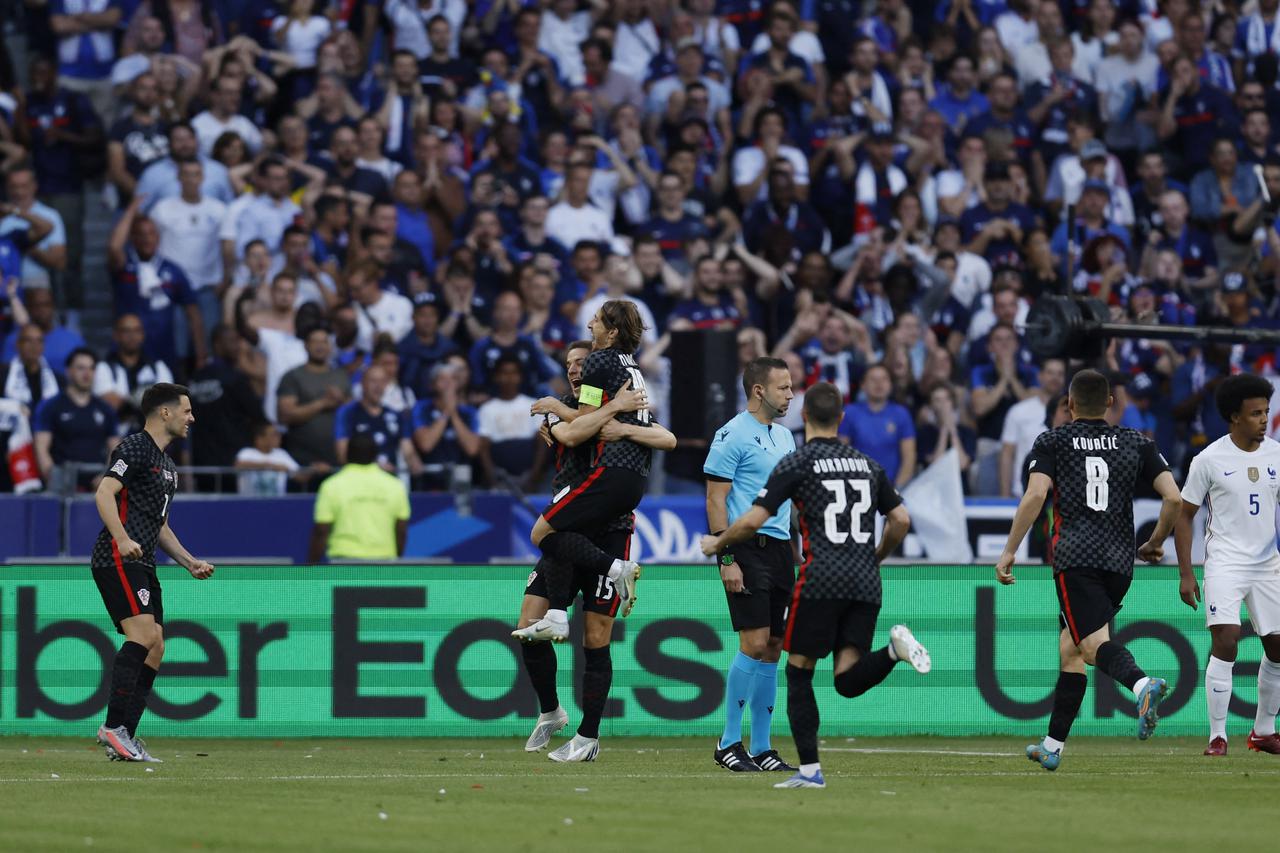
{"points": [[600, 601], [758, 574], [836, 598], [1093, 470], [1238, 476], [133, 501]]}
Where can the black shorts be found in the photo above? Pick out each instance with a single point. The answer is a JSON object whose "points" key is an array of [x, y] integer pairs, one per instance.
{"points": [[596, 502], [818, 626], [129, 589], [1088, 599], [598, 593], [768, 578]]}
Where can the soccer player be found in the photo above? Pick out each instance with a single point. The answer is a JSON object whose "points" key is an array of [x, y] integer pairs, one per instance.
{"points": [[600, 602], [1238, 476], [619, 471], [1093, 470], [836, 599], [133, 501], [759, 573]]}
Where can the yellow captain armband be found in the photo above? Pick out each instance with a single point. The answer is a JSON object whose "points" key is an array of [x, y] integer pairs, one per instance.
{"points": [[589, 396]]}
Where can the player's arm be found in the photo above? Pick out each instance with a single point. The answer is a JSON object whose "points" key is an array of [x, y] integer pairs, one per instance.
{"points": [[777, 491], [1188, 588], [592, 417], [109, 512], [1170, 510], [168, 542], [1029, 507], [654, 435], [896, 525], [553, 406], [741, 530]]}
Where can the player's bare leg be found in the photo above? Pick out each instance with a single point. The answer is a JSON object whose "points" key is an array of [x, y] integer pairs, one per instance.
{"points": [[1067, 698], [535, 626], [1217, 683], [540, 664], [568, 549], [597, 678], [1098, 649], [1263, 738], [802, 714], [144, 641]]}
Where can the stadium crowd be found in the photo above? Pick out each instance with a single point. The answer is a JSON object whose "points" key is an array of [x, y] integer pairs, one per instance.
{"points": [[392, 216]]}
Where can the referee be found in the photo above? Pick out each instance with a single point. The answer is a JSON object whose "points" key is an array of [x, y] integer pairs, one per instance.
{"points": [[758, 574]]}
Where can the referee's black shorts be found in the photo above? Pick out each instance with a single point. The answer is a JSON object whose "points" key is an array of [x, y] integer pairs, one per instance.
{"points": [[768, 577], [597, 501], [1088, 599], [129, 589]]}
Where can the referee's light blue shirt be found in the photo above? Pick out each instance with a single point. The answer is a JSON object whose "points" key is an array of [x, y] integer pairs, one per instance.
{"points": [[744, 451]]}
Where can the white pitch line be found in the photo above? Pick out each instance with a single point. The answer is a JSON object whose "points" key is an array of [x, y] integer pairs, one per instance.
{"points": [[878, 750]]}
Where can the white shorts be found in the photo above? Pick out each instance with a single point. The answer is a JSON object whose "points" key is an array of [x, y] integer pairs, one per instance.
{"points": [[1260, 592]]}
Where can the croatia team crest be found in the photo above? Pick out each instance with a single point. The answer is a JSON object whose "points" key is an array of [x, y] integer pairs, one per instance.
{"points": [[144, 595], [1253, 475]]}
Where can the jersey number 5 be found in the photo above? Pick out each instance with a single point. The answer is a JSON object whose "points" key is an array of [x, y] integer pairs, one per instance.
{"points": [[861, 503], [1097, 490]]}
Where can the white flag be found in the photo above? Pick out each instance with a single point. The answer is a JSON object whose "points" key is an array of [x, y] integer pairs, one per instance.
{"points": [[935, 500]]}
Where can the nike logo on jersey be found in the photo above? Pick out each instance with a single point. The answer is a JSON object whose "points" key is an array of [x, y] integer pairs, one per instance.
{"points": [[1216, 690], [1227, 473]]}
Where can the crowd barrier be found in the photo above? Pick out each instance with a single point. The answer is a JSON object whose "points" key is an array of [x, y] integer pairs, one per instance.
{"points": [[379, 651], [487, 526]]}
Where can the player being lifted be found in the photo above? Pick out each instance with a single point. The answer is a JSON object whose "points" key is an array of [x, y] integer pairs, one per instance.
{"points": [[571, 435], [1238, 477], [837, 491], [613, 488], [1093, 470], [133, 501]]}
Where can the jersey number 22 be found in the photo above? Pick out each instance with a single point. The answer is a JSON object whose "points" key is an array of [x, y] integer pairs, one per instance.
{"points": [[861, 503]]}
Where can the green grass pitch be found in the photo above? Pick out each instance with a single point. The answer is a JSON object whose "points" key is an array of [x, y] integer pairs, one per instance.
{"points": [[886, 794]]}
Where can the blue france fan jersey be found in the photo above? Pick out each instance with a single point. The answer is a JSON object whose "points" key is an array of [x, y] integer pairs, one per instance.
{"points": [[386, 428], [744, 451]]}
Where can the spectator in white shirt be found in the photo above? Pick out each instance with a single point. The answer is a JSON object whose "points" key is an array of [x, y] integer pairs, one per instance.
{"points": [[189, 225], [301, 33], [563, 31], [750, 165], [265, 466], [506, 430], [1024, 422], [263, 217], [377, 311], [121, 377], [575, 219], [1017, 27], [636, 41], [223, 116]]}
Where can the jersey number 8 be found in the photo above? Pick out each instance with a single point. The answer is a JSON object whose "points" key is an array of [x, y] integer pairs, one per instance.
{"points": [[1097, 483], [862, 502]]}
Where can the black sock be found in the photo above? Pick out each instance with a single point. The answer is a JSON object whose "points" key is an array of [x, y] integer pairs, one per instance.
{"points": [[1067, 697], [146, 678], [562, 598], [1115, 660], [802, 712], [571, 549], [540, 663], [124, 680], [597, 676], [865, 674]]}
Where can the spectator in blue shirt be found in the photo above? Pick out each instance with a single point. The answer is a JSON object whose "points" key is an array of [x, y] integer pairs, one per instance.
{"points": [[86, 49], [881, 428], [711, 307], [75, 426], [391, 431], [154, 288], [1002, 383], [444, 427], [794, 85], [1090, 222], [994, 228], [505, 341], [958, 100], [59, 341], [1192, 114], [673, 226], [424, 347], [1194, 247]]}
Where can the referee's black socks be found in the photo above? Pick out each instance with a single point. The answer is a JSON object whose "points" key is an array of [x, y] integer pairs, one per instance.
{"points": [[124, 681], [802, 713], [1116, 661], [1067, 698]]}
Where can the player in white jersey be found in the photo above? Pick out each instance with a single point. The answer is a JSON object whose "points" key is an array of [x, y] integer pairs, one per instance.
{"points": [[1238, 479]]}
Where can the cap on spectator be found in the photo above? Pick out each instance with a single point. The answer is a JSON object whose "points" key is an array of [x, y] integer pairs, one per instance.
{"points": [[1233, 282], [1142, 387], [427, 297], [687, 43], [1094, 149], [997, 171], [1097, 186], [881, 132]]}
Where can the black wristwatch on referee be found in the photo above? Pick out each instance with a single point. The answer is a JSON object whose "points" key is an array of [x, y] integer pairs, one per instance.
{"points": [[725, 557]]}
